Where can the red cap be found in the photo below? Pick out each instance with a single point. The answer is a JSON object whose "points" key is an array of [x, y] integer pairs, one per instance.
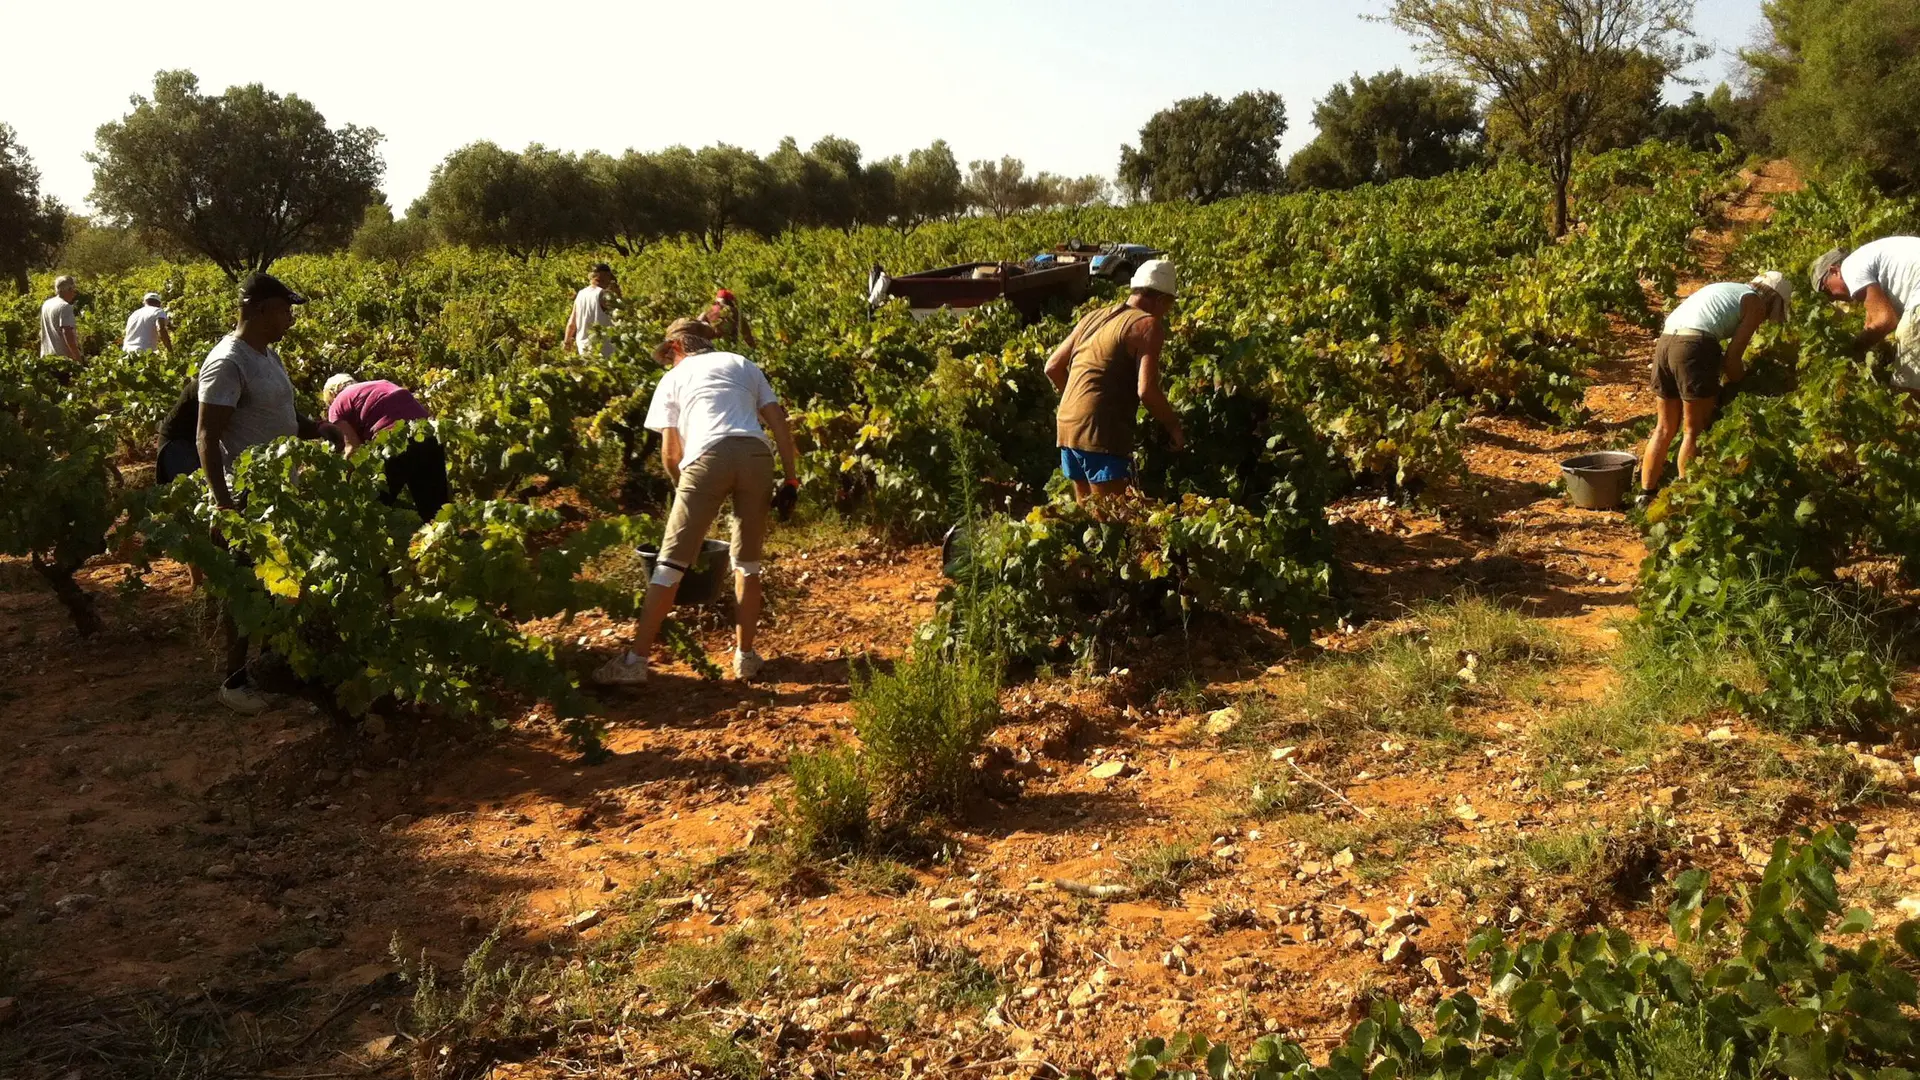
{"points": [[723, 294]]}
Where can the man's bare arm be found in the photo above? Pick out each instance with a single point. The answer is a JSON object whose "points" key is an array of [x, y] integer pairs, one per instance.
{"points": [[671, 449], [567, 339], [775, 417], [1882, 318], [72, 338], [1147, 338], [213, 424], [166, 335], [1062, 358]]}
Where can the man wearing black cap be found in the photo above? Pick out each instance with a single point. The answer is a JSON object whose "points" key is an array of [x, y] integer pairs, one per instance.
{"points": [[246, 400], [592, 310]]}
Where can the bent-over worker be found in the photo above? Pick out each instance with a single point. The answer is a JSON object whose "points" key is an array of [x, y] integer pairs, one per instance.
{"points": [[728, 321], [1104, 371], [1885, 275], [362, 410], [148, 327], [713, 412], [1689, 362]]}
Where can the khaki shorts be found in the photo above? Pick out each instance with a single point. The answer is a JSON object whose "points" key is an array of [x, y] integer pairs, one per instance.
{"points": [[740, 467], [1906, 363], [1687, 367]]}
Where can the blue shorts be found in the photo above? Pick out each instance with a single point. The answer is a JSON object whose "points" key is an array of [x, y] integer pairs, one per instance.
{"points": [[1089, 467]]}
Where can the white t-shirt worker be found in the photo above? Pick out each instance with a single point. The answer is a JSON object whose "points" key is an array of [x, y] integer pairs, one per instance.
{"points": [[148, 327], [713, 411], [592, 311], [59, 326], [1885, 276]]}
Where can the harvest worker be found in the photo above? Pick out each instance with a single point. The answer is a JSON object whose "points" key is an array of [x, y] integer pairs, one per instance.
{"points": [[1885, 274], [1689, 361], [713, 411], [148, 326], [59, 328], [362, 410], [592, 308], [1104, 371], [729, 323], [246, 401]]}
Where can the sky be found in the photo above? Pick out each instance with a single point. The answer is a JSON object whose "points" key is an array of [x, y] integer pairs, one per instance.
{"points": [[1060, 84]]}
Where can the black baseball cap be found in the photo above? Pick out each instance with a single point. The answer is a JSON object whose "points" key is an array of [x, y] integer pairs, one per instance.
{"points": [[602, 268], [263, 286]]}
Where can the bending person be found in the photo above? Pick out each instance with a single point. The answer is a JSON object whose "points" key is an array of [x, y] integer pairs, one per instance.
{"points": [[713, 411], [1105, 370], [1689, 363], [362, 410], [1884, 276]]}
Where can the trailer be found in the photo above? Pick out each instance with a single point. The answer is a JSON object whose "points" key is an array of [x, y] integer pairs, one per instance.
{"points": [[1028, 287], [1115, 262]]}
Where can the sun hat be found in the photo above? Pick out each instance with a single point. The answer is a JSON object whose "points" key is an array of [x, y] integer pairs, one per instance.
{"points": [[151, 298], [683, 331], [335, 384], [1158, 275], [1776, 282], [1824, 265]]}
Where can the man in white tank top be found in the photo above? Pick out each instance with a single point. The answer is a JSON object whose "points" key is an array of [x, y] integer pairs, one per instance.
{"points": [[592, 309], [1689, 363]]}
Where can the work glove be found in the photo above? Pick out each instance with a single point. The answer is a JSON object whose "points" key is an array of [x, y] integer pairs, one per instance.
{"points": [[785, 496]]}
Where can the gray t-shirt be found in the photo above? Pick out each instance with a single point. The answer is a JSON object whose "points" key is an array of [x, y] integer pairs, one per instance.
{"points": [[256, 385], [54, 315]]}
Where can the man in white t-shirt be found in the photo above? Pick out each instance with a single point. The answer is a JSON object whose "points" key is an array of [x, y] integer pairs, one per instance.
{"points": [[149, 327], [1885, 276], [592, 309], [246, 400], [59, 328], [713, 412]]}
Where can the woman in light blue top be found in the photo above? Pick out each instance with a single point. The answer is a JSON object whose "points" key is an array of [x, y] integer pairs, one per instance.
{"points": [[1689, 362]]}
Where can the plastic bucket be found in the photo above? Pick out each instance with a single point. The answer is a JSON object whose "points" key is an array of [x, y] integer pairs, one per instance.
{"points": [[701, 585], [1599, 481]]}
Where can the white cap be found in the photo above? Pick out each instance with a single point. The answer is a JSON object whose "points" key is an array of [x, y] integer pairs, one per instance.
{"points": [[1777, 282], [152, 298], [335, 384], [1156, 274]]}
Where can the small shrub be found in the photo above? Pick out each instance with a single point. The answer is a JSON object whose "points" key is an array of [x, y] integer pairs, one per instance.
{"points": [[830, 809], [923, 722]]}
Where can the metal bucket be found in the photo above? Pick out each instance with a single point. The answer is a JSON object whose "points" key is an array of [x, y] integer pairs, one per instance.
{"points": [[1599, 481], [701, 585]]}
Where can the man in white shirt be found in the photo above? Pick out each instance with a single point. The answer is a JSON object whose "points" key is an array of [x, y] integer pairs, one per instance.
{"points": [[713, 411], [246, 400], [1885, 276], [59, 328], [148, 327], [591, 310]]}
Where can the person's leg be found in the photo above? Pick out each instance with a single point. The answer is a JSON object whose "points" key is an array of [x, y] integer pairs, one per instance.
{"points": [[752, 499], [1666, 423], [696, 503], [1109, 474], [426, 477], [1698, 414]]}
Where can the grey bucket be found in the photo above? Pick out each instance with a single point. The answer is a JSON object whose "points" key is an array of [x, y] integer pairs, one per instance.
{"points": [[1599, 481], [701, 585]]}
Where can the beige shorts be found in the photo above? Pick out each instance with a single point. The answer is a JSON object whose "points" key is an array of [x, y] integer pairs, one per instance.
{"points": [[1906, 362], [738, 467]]}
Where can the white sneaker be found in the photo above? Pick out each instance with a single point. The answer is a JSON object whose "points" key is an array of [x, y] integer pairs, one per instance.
{"points": [[623, 670], [746, 664], [238, 694]]}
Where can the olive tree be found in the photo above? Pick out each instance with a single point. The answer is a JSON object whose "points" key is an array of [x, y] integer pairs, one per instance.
{"points": [[1552, 68], [242, 178], [31, 224]]}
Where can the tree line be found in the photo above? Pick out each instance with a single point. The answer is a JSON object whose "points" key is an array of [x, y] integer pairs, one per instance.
{"points": [[248, 175]]}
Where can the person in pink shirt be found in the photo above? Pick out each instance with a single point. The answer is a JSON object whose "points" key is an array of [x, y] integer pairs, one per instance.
{"points": [[362, 410]]}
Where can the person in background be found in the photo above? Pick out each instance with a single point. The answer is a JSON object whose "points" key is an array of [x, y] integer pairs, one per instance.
{"points": [[148, 327], [592, 309], [713, 411], [179, 453], [246, 400], [729, 324], [59, 324], [362, 410], [1689, 362], [1104, 371], [1885, 276]]}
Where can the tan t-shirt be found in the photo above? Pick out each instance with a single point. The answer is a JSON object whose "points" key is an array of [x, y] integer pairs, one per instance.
{"points": [[1102, 398]]}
